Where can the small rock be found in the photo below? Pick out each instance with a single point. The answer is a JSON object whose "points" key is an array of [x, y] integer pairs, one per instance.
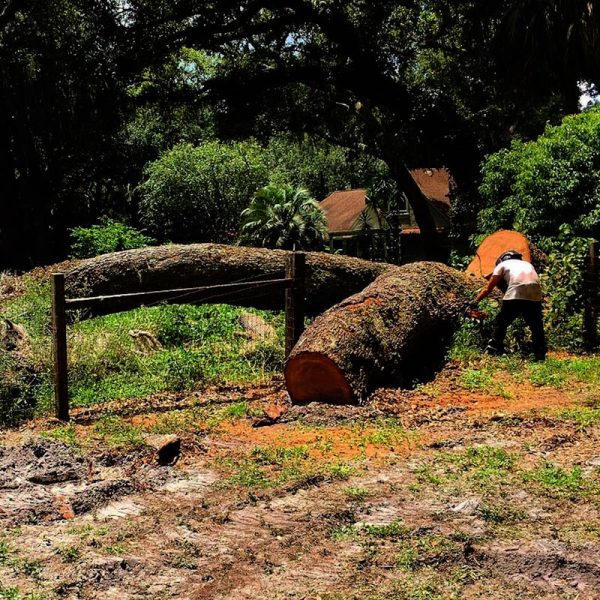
{"points": [[467, 507], [256, 328]]}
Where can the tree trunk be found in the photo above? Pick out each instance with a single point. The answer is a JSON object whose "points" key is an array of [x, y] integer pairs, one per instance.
{"points": [[385, 335], [329, 278], [430, 237]]}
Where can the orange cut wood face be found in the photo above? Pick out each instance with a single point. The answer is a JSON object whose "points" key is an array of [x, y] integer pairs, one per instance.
{"points": [[312, 376], [495, 245]]}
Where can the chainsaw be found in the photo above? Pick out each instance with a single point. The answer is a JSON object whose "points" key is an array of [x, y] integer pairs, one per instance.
{"points": [[475, 314]]}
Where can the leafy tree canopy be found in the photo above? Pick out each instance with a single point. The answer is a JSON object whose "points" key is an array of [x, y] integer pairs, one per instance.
{"points": [[196, 194], [536, 187], [418, 83]]}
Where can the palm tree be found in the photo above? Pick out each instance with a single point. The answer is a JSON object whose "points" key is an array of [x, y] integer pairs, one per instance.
{"points": [[284, 217]]}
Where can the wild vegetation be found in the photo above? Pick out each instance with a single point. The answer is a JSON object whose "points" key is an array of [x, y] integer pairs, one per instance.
{"points": [[94, 92], [128, 124]]}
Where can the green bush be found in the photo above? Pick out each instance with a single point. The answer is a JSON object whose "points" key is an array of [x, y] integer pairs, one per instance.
{"points": [[106, 236], [550, 190], [196, 194], [562, 280], [536, 187]]}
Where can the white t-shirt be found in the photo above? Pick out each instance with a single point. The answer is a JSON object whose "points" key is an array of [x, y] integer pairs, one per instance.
{"points": [[523, 282]]}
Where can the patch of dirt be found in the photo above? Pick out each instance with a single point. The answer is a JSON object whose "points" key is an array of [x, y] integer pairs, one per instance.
{"points": [[45, 480], [409, 516]]}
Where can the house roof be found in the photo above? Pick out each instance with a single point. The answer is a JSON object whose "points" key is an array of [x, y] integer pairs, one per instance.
{"points": [[344, 207], [434, 183]]}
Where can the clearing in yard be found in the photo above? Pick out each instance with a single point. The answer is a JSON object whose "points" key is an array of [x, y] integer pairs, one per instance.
{"points": [[484, 482]]}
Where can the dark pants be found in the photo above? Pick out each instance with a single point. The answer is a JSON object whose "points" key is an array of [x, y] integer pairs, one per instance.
{"points": [[531, 313]]}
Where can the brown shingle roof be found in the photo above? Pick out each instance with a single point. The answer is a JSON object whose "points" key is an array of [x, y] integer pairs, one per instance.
{"points": [[344, 207], [434, 183]]}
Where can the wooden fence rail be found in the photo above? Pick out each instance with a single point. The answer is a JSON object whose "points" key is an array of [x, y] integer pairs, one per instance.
{"points": [[292, 284]]}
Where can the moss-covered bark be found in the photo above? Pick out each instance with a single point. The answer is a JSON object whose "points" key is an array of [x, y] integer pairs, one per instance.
{"points": [[378, 336], [329, 278]]}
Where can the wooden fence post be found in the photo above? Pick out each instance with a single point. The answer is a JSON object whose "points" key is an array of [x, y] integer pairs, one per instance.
{"points": [[59, 334], [590, 297], [294, 300]]}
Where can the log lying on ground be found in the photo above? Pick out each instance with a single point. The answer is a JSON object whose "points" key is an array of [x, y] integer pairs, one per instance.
{"points": [[379, 335], [329, 278]]}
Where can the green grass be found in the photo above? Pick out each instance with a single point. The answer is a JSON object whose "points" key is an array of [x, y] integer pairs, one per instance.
{"points": [[341, 471], [356, 493], [272, 466], [484, 380], [499, 514], [394, 530], [269, 467], [481, 462], [13, 593], [69, 553], [5, 552], [388, 432], [114, 432], [555, 482], [198, 346], [476, 379], [582, 416], [65, 434], [560, 373]]}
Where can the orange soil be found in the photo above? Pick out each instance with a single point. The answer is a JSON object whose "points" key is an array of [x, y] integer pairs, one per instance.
{"points": [[526, 398], [340, 442]]}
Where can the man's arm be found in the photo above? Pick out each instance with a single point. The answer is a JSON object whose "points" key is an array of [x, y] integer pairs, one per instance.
{"points": [[486, 291]]}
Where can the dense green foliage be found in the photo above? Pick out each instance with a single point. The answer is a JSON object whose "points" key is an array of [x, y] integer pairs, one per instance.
{"points": [[536, 187], [549, 189], [60, 112], [106, 236], [196, 194], [319, 166], [191, 347], [93, 90], [562, 281], [281, 216]]}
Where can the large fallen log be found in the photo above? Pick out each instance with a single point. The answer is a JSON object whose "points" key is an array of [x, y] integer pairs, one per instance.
{"points": [[329, 278], [379, 336]]}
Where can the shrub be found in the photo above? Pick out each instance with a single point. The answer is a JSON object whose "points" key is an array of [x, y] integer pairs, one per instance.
{"points": [[106, 236], [196, 194], [538, 186], [562, 280], [550, 190]]}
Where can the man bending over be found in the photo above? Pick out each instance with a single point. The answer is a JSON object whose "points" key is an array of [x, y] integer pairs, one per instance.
{"points": [[523, 297]]}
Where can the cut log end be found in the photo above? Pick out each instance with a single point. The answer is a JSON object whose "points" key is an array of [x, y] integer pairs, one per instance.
{"points": [[313, 377]]}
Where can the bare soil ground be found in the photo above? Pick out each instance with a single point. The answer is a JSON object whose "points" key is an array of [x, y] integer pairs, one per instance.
{"points": [[432, 493]]}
